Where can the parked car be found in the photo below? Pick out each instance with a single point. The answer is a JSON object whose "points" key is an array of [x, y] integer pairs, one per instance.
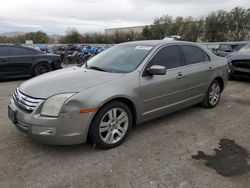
{"points": [[226, 49], [20, 61], [125, 85], [239, 62]]}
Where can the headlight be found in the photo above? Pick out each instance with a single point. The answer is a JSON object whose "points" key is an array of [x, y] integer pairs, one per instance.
{"points": [[53, 105]]}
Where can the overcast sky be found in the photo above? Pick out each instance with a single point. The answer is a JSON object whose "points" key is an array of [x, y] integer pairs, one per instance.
{"points": [[54, 16]]}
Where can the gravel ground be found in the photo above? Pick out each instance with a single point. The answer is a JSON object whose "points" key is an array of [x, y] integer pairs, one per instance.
{"points": [[156, 154]]}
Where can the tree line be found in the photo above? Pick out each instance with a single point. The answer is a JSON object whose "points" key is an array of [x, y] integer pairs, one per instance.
{"points": [[217, 26], [38, 37]]}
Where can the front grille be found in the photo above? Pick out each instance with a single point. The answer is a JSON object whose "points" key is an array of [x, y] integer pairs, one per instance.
{"points": [[242, 64], [25, 102]]}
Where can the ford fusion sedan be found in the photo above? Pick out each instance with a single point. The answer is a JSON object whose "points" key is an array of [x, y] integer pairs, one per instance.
{"points": [[125, 85], [20, 61]]}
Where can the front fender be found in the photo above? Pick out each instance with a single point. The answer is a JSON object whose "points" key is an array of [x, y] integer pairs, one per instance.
{"points": [[96, 97]]}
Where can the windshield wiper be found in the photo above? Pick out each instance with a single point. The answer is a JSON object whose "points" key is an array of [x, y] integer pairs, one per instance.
{"points": [[97, 68]]}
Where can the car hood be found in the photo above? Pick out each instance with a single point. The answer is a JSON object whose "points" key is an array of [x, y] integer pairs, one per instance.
{"points": [[74, 79], [238, 56]]}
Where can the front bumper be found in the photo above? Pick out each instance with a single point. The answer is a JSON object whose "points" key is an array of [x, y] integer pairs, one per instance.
{"points": [[238, 71], [67, 129]]}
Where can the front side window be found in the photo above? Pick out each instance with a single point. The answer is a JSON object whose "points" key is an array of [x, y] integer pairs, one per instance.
{"points": [[193, 55], [121, 58], [15, 51], [168, 56]]}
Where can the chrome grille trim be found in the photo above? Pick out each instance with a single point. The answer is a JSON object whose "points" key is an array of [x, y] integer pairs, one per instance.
{"points": [[25, 102]]}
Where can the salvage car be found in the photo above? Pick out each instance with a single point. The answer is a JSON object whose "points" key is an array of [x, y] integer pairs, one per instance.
{"points": [[226, 49], [239, 63], [21, 61], [125, 85]]}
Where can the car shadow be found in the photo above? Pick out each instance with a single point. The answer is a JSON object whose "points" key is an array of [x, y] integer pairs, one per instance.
{"points": [[14, 79], [241, 79], [157, 122]]}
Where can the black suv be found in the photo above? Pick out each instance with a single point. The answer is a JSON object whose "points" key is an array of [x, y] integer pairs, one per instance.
{"points": [[22, 61]]}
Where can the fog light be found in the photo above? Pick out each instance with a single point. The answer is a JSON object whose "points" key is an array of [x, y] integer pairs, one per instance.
{"points": [[44, 131]]}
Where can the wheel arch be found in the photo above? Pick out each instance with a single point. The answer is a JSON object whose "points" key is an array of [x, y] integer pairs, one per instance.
{"points": [[38, 63], [221, 81], [126, 101]]}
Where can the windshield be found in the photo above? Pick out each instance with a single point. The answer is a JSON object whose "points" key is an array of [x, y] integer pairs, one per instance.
{"points": [[245, 49], [120, 59]]}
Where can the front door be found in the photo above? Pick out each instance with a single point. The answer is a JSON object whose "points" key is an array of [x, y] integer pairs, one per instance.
{"points": [[4, 69], [161, 94], [20, 60]]}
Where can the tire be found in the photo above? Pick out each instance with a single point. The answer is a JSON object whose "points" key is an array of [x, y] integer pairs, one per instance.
{"points": [[111, 125], [41, 68], [213, 95]]}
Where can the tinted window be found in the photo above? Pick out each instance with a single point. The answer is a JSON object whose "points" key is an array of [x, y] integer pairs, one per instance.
{"points": [[3, 51], [168, 56], [225, 47], [20, 51], [193, 55]]}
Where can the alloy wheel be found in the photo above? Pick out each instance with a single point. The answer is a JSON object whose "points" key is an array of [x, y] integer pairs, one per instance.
{"points": [[113, 126], [214, 94]]}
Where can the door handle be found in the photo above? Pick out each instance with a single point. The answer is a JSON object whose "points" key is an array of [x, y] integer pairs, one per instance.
{"points": [[4, 60], [210, 68], [180, 76]]}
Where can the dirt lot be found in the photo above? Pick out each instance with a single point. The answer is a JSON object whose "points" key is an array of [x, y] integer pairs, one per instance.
{"points": [[156, 154]]}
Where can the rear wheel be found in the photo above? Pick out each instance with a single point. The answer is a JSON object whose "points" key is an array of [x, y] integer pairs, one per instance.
{"points": [[213, 95], [41, 69], [111, 125]]}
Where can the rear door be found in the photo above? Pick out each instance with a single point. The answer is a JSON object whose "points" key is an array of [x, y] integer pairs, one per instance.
{"points": [[198, 72], [21, 60], [4, 68], [162, 94]]}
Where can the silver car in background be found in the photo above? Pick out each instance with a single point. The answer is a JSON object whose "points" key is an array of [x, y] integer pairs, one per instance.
{"points": [[128, 84]]}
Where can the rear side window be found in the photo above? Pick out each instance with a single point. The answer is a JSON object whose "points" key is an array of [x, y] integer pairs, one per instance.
{"points": [[168, 56], [4, 51], [14, 51], [194, 55]]}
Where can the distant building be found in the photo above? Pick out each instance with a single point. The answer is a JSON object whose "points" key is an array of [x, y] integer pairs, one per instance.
{"points": [[136, 29]]}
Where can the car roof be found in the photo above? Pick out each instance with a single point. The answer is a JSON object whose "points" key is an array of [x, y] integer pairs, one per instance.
{"points": [[155, 43], [19, 46]]}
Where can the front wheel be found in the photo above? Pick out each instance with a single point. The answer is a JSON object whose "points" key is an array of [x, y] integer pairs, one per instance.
{"points": [[111, 125], [213, 95]]}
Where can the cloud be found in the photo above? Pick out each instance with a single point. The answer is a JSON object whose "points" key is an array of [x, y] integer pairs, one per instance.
{"points": [[54, 16]]}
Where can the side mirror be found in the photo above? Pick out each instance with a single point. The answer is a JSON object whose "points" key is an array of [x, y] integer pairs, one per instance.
{"points": [[157, 70]]}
